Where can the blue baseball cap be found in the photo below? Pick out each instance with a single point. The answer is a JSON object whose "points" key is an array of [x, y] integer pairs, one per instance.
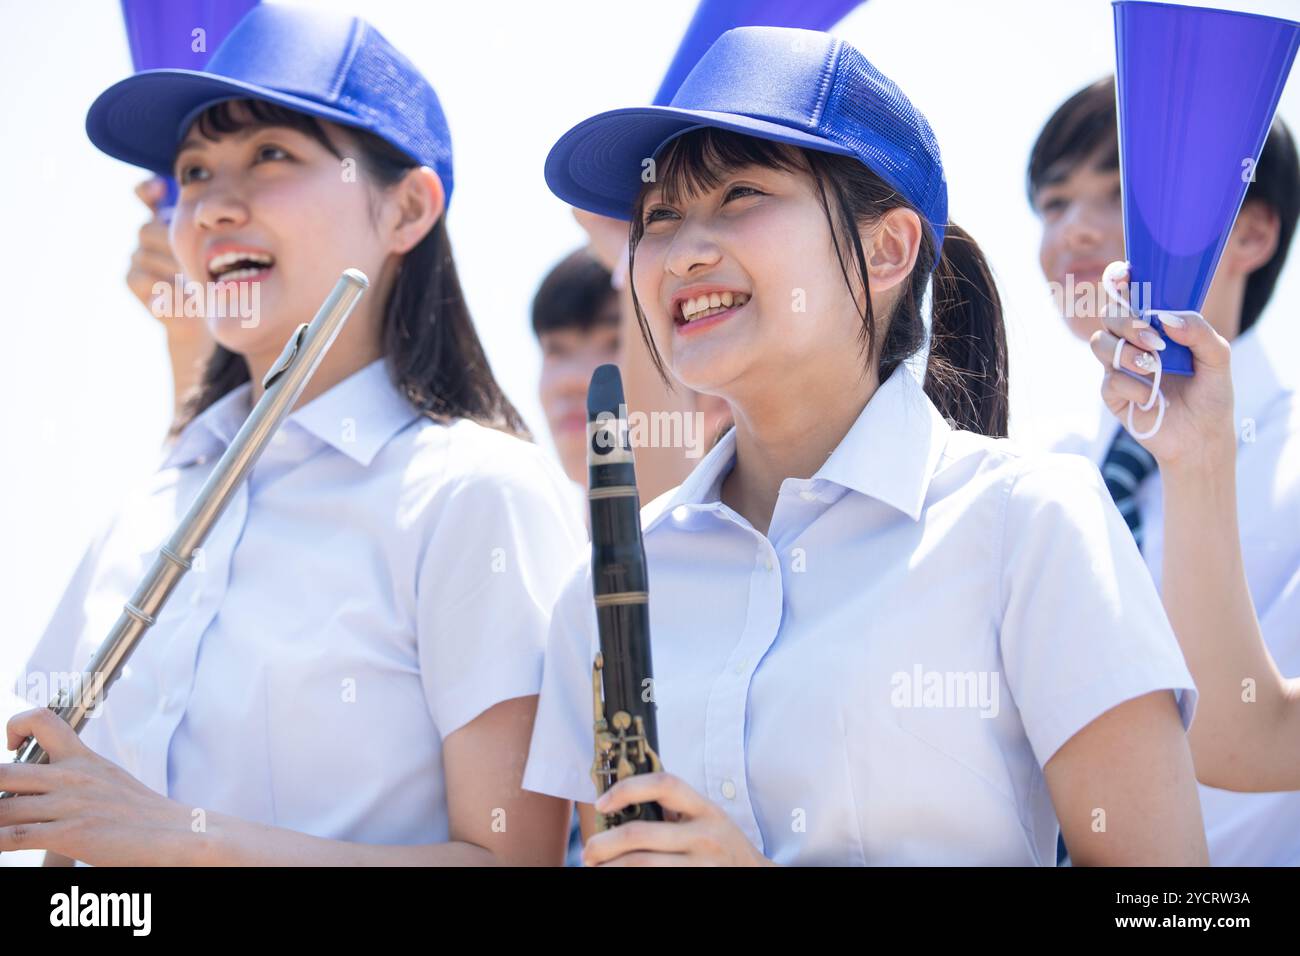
{"points": [[338, 68], [800, 87]]}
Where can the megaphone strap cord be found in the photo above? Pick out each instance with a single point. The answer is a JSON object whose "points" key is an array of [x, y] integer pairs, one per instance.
{"points": [[1108, 279]]}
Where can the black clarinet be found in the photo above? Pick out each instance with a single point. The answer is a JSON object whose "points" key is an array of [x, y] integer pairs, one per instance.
{"points": [[627, 740]]}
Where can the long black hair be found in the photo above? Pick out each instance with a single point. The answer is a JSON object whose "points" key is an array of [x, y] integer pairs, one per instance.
{"points": [[966, 371], [430, 347]]}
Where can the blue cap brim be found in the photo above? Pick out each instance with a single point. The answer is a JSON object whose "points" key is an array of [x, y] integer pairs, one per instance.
{"points": [[599, 163], [141, 119]]}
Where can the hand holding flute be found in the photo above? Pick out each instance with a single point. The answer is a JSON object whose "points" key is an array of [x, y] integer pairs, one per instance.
{"points": [[283, 384]]}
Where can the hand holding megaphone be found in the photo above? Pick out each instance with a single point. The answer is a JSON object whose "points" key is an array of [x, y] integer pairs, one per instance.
{"points": [[1181, 420]]}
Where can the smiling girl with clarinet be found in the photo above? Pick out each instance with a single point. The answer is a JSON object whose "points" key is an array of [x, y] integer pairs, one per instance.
{"points": [[881, 633], [349, 673]]}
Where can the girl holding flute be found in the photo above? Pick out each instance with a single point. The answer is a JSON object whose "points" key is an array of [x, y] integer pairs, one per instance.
{"points": [[349, 675]]}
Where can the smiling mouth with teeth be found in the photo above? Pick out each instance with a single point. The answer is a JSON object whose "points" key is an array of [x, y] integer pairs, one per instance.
{"points": [[238, 266], [709, 304]]}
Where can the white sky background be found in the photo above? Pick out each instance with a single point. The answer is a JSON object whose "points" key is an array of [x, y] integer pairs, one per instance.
{"points": [[84, 384]]}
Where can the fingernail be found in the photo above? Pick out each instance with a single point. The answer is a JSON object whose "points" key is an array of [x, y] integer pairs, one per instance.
{"points": [[1151, 340], [1172, 319], [1146, 362]]}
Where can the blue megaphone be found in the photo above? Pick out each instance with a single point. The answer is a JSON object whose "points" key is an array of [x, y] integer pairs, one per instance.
{"points": [[1196, 90]]}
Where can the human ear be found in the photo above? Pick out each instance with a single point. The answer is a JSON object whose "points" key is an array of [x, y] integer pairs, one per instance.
{"points": [[1253, 239], [892, 245], [417, 202]]}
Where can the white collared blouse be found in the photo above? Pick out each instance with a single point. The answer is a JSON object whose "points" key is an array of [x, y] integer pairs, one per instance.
{"points": [[882, 676], [379, 581]]}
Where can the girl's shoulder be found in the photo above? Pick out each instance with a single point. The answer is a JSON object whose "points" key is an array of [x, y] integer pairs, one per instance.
{"points": [[439, 461], [465, 449], [1015, 475], [1003, 453]]}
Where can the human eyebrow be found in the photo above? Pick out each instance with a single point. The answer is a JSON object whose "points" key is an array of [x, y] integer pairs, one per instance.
{"points": [[1055, 175]]}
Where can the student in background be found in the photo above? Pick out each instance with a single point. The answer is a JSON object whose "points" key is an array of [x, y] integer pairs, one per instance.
{"points": [[576, 321], [1247, 730], [1074, 185]]}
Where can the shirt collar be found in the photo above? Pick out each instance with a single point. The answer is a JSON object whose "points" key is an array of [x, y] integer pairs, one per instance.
{"points": [[211, 430], [890, 452], [357, 416]]}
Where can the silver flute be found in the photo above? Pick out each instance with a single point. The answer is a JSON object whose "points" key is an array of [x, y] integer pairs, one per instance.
{"points": [[283, 384]]}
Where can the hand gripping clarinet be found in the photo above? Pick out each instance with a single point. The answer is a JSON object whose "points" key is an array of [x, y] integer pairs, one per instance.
{"points": [[284, 383], [627, 739]]}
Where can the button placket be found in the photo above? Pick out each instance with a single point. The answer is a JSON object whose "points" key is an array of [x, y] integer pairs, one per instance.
{"points": [[182, 657], [725, 756]]}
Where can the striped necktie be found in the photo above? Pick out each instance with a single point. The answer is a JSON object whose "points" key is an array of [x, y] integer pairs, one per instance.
{"points": [[1126, 466]]}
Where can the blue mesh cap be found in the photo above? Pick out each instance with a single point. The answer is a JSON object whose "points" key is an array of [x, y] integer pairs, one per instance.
{"points": [[800, 87], [338, 68]]}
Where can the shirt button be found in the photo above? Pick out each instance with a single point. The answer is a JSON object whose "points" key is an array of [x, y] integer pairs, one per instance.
{"points": [[740, 667], [195, 598], [767, 563], [808, 495], [729, 790]]}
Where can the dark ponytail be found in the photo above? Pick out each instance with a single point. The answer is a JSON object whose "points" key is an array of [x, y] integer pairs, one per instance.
{"points": [[432, 351], [966, 372]]}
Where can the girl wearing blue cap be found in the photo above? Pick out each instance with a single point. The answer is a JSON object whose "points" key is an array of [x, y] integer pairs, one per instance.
{"points": [[349, 675], [882, 634]]}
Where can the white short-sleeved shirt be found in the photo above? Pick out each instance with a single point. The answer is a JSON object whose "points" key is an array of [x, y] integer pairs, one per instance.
{"points": [[881, 677], [379, 581], [1245, 829]]}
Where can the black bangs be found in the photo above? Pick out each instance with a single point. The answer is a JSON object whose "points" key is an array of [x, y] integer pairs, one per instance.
{"points": [[700, 160], [222, 119], [1082, 126]]}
